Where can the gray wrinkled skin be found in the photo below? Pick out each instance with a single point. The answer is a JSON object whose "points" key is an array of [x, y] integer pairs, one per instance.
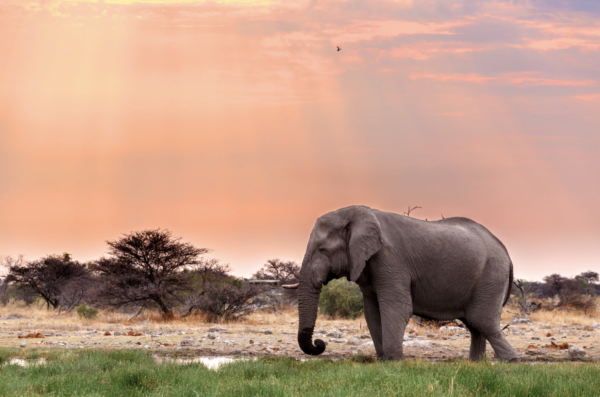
{"points": [[449, 269]]}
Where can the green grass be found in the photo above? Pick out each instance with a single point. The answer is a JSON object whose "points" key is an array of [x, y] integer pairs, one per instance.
{"points": [[134, 373]]}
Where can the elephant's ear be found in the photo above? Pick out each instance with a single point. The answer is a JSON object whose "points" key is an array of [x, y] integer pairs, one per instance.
{"points": [[364, 239]]}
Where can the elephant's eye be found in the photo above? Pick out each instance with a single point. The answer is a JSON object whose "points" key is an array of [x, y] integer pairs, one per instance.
{"points": [[322, 250]]}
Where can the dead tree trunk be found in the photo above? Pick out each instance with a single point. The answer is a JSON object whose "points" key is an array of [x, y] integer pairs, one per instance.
{"points": [[524, 288]]}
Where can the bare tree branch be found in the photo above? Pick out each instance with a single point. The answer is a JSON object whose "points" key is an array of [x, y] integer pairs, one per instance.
{"points": [[411, 209]]}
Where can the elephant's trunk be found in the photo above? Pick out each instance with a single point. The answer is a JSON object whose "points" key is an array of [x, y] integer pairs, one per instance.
{"points": [[308, 301]]}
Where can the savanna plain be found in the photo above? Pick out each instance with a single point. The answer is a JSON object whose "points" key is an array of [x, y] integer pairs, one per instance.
{"points": [[47, 352]]}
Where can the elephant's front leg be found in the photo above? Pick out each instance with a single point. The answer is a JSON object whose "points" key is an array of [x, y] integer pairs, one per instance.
{"points": [[395, 310], [373, 318]]}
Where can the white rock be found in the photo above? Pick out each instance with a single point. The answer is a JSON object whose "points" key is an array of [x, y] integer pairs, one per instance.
{"points": [[521, 320], [355, 341], [576, 352], [211, 336], [595, 325], [418, 343], [336, 340], [216, 329], [409, 328], [451, 329], [367, 344]]}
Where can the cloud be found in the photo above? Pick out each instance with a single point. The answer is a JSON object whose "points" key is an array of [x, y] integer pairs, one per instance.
{"points": [[561, 43], [588, 97], [518, 79], [589, 6], [425, 50], [370, 30], [575, 32]]}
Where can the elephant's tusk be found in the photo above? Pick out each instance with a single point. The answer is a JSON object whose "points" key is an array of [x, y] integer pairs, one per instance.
{"points": [[291, 286]]}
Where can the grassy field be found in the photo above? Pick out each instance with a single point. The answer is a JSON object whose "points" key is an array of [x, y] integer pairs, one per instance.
{"points": [[135, 373]]}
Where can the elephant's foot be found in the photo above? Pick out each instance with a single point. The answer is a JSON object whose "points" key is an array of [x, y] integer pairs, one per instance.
{"points": [[392, 356], [382, 359]]}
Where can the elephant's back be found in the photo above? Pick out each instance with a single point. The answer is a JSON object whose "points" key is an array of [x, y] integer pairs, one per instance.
{"points": [[449, 261], [454, 241], [494, 246]]}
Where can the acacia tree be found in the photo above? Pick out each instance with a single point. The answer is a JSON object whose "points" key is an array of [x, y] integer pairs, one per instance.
{"points": [[147, 267], [588, 280], [286, 272], [51, 278], [589, 276]]}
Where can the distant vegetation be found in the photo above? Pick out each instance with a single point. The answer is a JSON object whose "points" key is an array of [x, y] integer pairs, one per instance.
{"points": [[153, 270], [556, 292], [149, 269]]}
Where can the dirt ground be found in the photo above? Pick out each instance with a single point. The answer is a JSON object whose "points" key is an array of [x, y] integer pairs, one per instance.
{"points": [[274, 334]]}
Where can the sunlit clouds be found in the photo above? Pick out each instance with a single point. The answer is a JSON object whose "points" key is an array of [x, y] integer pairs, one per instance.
{"points": [[235, 124]]}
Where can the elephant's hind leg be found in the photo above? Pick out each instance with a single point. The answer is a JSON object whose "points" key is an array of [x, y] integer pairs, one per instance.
{"points": [[490, 330], [478, 343], [504, 351]]}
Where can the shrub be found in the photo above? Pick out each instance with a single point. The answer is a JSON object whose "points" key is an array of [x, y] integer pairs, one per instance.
{"points": [[341, 298], [223, 296], [86, 312]]}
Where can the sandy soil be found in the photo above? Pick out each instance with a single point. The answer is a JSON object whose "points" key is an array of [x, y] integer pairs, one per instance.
{"points": [[275, 335]]}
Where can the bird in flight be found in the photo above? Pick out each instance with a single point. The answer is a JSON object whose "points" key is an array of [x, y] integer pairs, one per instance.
{"points": [[338, 48]]}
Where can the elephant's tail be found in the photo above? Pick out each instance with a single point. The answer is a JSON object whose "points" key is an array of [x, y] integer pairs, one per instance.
{"points": [[510, 282]]}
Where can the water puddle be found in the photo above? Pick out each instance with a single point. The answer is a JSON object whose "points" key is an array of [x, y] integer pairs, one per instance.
{"points": [[210, 362]]}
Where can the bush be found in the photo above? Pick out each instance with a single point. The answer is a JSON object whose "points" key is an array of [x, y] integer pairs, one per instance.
{"points": [[223, 296], [86, 312], [341, 298]]}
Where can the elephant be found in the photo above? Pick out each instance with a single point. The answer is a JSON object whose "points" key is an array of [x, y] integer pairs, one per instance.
{"points": [[453, 268]]}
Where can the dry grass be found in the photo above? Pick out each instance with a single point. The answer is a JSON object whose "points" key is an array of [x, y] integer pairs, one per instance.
{"points": [[562, 317], [37, 317], [566, 316]]}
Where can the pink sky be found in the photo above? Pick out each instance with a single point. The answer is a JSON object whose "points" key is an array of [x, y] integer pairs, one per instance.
{"points": [[235, 124]]}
